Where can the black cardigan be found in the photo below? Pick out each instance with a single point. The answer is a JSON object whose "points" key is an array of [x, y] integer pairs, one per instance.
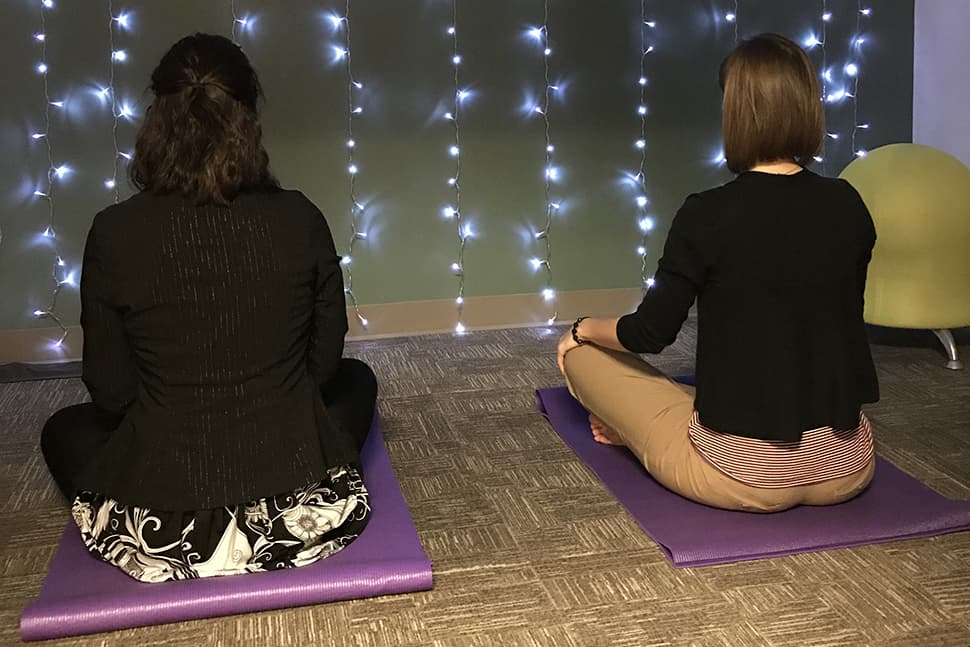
{"points": [[211, 328], [777, 264]]}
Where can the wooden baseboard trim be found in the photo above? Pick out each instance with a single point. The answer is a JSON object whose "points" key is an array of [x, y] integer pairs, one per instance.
{"points": [[37, 345]]}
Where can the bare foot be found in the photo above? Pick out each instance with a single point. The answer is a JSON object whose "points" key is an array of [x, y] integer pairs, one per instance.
{"points": [[603, 434]]}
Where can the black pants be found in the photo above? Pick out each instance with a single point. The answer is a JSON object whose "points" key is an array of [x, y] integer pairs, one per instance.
{"points": [[72, 436]]}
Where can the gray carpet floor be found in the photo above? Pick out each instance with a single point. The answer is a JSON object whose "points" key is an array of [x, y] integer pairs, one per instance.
{"points": [[528, 547]]}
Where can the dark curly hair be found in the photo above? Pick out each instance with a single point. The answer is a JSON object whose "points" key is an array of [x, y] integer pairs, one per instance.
{"points": [[201, 136]]}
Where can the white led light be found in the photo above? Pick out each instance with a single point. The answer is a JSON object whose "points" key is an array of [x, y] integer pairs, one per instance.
{"points": [[641, 251], [42, 68], [536, 263], [49, 4], [548, 294], [641, 143], [122, 20], [851, 69], [40, 38], [351, 143], [454, 151], [730, 17], [459, 327], [451, 31], [641, 110], [62, 171], [827, 16], [456, 59], [642, 201], [646, 224], [642, 81], [110, 183], [119, 55], [352, 169], [334, 20], [812, 41]]}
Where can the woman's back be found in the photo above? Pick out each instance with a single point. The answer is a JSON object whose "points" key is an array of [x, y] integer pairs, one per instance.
{"points": [[778, 264], [233, 317]]}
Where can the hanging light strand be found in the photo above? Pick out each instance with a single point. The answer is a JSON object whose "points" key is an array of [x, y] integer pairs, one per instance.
{"points": [[59, 277], [353, 110], [115, 56], [454, 210], [236, 21], [644, 222], [826, 76], [732, 17], [853, 69], [544, 263]]}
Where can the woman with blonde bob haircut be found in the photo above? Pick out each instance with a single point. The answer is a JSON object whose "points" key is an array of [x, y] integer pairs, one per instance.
{"points": [[776, 261]]}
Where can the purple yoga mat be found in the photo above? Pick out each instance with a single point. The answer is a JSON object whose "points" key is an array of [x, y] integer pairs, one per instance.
{"points": [[83, 595], [895, 506]]}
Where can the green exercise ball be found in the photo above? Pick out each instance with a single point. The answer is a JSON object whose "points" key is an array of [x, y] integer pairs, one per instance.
{"points": [[919, 198]]}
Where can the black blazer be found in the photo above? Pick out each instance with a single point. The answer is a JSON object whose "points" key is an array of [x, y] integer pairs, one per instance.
{"points": [[211, 329], [777, 264]]}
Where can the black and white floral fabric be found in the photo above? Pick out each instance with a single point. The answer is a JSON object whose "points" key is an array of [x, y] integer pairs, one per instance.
{"points": [[282, 531]]}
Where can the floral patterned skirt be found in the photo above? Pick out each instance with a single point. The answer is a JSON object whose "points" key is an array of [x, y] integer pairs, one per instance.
{"points": [[283, 531]]}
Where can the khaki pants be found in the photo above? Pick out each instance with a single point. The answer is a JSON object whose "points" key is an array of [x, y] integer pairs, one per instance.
{"points": [[652, 413]]}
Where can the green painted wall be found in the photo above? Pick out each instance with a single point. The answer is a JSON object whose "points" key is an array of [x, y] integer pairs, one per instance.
{"points": [[402, 54]]}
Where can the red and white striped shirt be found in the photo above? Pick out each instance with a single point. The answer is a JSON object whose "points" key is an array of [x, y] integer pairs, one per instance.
{"points": [[822, 454]]}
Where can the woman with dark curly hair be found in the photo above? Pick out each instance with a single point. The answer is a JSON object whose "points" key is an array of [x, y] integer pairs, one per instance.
{"points": [[224, 430]]}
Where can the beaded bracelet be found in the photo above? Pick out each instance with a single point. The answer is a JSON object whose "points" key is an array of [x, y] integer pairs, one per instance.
{"points": [[576, 331]]}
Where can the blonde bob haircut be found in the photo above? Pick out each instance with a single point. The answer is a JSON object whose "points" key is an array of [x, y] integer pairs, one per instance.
{"points": [[772, 104]]}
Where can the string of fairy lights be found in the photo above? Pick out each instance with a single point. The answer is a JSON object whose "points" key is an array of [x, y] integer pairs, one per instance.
{"points": [[732, 17], [454, 210], [240, 22], [342, 53], [644, 222], [47, 191], [119, 109], [853, 70], [841, 83], [552, 175]]}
